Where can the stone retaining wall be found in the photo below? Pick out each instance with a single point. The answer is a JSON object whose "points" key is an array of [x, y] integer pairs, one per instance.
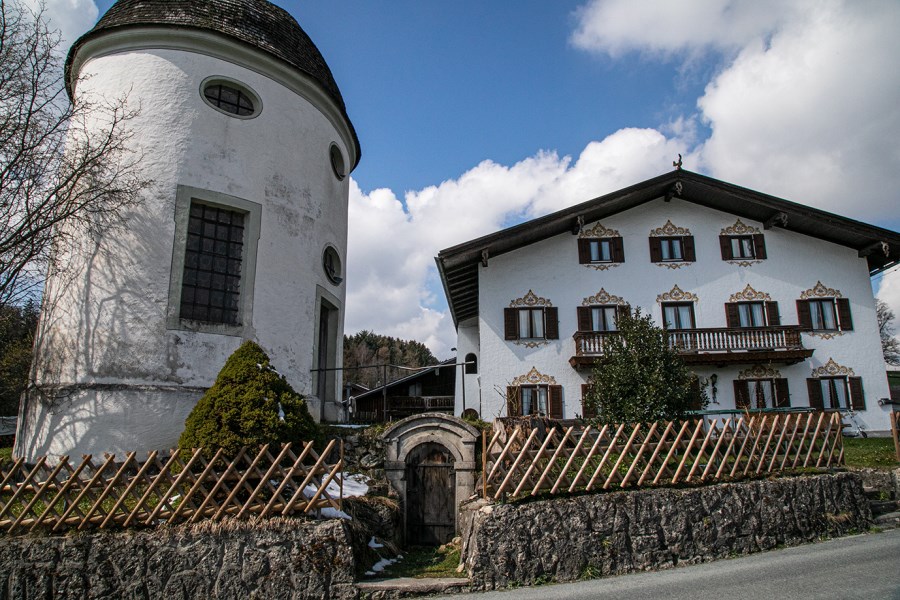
{"points": [[281, 558], [565, 539]]}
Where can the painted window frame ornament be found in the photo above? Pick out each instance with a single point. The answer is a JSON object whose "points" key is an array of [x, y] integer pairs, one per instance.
{"points": [[599, 231], [832, 369], [534, 377], [822, 292], [748, 294], [603, 297], [676, 294], [760, 372], [532, 300], [672, 230], [741, 229]]}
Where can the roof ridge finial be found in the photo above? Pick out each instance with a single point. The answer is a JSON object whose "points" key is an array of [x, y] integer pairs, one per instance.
{"points": [[677, 164]]}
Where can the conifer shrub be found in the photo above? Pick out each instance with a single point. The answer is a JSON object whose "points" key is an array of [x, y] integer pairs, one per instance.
{"points": [[641, 378], [249, 404]]}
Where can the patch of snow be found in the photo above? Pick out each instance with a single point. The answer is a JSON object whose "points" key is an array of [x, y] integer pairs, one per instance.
{"points": [[384, 562], [374, 544], [280, 412], [333, 513]]}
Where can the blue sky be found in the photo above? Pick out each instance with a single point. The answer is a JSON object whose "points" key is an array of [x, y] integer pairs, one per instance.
{"points": [[475, 115]]}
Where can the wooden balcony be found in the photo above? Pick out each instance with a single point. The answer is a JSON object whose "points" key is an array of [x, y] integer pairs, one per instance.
{"points": [[715, 346], [372, 410]]}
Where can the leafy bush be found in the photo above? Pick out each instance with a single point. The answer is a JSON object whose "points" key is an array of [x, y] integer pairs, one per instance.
{"points": [[640, 379], [249, 404]]}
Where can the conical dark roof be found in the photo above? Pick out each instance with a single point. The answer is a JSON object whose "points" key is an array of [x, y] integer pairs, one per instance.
{"points": [[257, 23]]}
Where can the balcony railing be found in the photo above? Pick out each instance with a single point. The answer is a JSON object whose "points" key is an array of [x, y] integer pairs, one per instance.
{"points": [[780, 344]]}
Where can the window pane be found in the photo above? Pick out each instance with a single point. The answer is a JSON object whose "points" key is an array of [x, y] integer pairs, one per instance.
{"points": [[828, 319], [752, 314], [745, 314], [605, 251], [524, 323], [834, 392], [759, 316], [597, 319], [595, 250], [542, 400], [736, 247], [609, 317], [670, 314], [685, 317], [527, 400], [537, 323], [208, 272], [762, 393], [676, 249], [747, 247]]}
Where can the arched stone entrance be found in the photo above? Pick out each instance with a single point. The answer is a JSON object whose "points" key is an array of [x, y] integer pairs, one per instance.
{"points": [[430, 461]]}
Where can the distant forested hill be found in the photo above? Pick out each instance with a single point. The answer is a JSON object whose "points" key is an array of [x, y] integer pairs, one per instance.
{"points": [[367, 348]]}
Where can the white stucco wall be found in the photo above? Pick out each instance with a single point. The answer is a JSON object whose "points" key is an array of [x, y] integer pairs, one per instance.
{"points": [[104, 327], [795, 263]]}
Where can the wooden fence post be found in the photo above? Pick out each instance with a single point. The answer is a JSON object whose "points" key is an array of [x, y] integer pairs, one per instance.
{"points": [[895, 431]]}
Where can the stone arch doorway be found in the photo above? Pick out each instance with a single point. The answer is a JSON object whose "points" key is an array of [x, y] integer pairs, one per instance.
{"points": [[430, 462]]}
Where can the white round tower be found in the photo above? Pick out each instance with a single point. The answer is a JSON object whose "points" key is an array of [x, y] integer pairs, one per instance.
{"points": [[242, 234]]}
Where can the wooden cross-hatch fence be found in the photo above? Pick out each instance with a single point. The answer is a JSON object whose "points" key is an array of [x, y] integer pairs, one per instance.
{"points": [[584, 458], [186, 486]]}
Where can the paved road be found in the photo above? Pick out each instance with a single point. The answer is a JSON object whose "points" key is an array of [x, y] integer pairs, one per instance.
{"points": [[862, 566]]}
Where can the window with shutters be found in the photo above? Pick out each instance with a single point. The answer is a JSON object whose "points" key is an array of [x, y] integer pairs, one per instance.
{"points": [[600, 247], [671, 244], [531, 320], [678, 315], [822, 309], [535, 399], [742, 243], [211, 284], [598, 318], [761, 394], [834, 386], [751, 314]]}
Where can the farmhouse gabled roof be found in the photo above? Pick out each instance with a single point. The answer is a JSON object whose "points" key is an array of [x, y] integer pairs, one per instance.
{"points": [[458, 266], [256, 23]]}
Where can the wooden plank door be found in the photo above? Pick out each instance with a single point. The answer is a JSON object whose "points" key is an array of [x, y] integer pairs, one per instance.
{"points": [[430, 496]]}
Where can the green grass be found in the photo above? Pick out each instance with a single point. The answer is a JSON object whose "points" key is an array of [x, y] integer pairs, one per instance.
{"points": [[426, 562], [875, 453], [5, 454]]}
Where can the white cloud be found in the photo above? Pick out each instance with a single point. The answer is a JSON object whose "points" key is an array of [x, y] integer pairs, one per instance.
{"points": [[663, 27], [813, 115], [71, 17], [392, 282]]}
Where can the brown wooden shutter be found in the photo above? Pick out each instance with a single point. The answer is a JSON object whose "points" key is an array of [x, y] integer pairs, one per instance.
{"points": [[725, 244], [815, 393], [857, 397], [782, 393], [695, 400], [759, 246], [555, 401], [623, 309], [804, 319], [773, 318], [511, 323], [732, 315], [584, 251], [584, 318], [551, 323], [844, 316], [587, 412], [513, 401], [741, 394], [617, 248], [655, 250], [687, 248]]}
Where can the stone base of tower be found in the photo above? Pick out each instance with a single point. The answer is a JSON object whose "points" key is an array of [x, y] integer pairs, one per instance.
{"points": [[96, 419]]}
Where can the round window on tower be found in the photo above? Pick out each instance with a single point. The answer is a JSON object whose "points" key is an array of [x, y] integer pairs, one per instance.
{"points": [[337, 161], [230, 97], [331, 263]]}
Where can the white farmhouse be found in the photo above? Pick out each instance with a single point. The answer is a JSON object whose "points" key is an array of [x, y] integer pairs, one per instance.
{"points": [[768, 301], [242, 235]]}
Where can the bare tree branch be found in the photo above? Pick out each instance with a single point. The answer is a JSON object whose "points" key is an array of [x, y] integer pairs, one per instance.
{"points": [[65, 169], [890, 345]]}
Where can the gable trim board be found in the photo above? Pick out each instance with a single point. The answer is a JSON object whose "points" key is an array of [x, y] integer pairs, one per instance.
{"points": [[458, 265]]}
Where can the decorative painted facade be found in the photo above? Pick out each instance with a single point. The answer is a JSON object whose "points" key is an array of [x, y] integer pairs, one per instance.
{"points": [[770, 306]]}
